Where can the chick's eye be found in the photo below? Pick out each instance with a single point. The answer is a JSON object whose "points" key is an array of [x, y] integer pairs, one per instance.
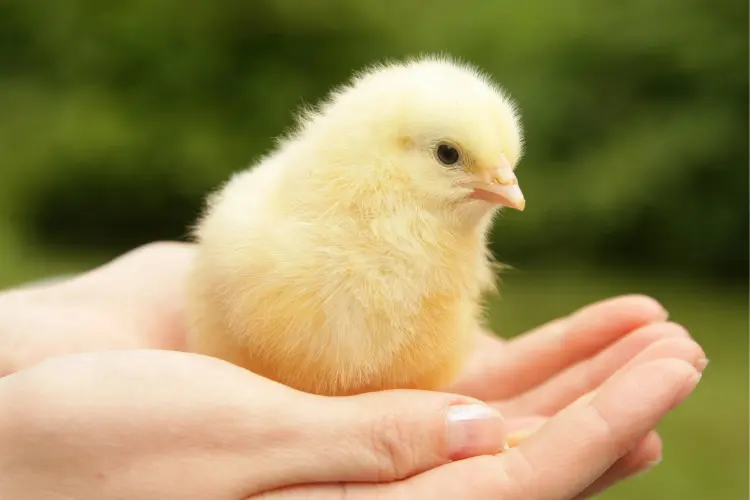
{"points": [[448, 155]]}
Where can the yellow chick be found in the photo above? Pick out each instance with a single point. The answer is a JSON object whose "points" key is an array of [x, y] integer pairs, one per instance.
{"points": [[353, 258]]}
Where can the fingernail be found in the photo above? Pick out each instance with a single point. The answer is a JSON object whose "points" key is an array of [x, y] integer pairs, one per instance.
{"points": [[474, 429], [648, 467], [701, 364], [653, 464], [687, 389]]}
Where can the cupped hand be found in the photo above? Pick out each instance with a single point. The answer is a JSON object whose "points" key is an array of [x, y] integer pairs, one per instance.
{"points": [[132, 302], [538, 374], [154, 424], [135, 302], [572, 456]]}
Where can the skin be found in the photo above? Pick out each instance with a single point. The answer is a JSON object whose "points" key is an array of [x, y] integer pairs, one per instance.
{"points": [[127, 408]]}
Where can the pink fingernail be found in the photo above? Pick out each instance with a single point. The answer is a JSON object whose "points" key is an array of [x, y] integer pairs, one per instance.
{"points": [[648, 467], [701, 364], [687, 389], [474, 429]]}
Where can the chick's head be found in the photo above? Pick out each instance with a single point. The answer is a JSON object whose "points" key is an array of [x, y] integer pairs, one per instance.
{"points": [[431, 129]]}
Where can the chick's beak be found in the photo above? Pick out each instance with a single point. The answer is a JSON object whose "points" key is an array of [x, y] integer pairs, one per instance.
{"points": [[499, 186]]}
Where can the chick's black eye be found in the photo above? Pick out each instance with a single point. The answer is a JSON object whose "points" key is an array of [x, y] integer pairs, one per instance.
{"points": [[448, 155]]}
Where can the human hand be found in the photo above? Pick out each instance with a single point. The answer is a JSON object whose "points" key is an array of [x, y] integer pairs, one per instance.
{"points": [[133, 302], [537, 374], [136, 301], [161, 424], [153, 424], [571, 457]]}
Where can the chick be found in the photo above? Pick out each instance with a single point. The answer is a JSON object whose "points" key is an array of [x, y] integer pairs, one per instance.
{"points": [[353, 257]]}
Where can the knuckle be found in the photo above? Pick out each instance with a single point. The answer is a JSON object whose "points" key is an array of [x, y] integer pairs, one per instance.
{"points": [[603, 432], [520, 475], [392, 448]]}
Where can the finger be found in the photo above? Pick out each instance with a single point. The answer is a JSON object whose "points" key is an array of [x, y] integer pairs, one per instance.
{"points": [[520, 429], [644, 455], [642, 458], [262, 435], [595, 434], [339, 491], [554, 347], [387, 436], [524, 424], [149, 293], [574, 448], [672, 340], [132, 302], [687, 350], [538, 355]]}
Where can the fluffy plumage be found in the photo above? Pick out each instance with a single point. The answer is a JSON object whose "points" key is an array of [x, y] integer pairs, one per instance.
{"points": [[353, 257]]}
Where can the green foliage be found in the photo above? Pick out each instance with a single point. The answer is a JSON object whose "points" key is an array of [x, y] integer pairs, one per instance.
{"points": [[118, 118]]}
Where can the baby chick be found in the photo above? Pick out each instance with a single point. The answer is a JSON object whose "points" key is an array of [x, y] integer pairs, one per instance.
{"points": [[353, 258]]}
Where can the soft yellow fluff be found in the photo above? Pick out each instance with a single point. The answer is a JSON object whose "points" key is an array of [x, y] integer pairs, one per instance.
{"points": [[350, 259]]}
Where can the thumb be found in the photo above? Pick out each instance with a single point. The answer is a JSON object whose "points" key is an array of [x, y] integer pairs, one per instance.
{"points": [[391, 435]]}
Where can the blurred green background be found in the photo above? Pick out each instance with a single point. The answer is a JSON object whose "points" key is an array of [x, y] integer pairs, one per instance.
{"points": [[116, 118]]}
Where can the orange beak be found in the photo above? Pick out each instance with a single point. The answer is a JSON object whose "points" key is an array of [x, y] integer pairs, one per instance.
{"points": [[499, 186]]}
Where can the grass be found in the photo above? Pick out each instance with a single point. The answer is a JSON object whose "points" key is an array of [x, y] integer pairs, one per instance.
{"points": [[706, 439]]}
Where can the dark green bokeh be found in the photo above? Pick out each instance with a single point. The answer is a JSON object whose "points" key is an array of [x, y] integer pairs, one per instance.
{"points": [[117, 118]]}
